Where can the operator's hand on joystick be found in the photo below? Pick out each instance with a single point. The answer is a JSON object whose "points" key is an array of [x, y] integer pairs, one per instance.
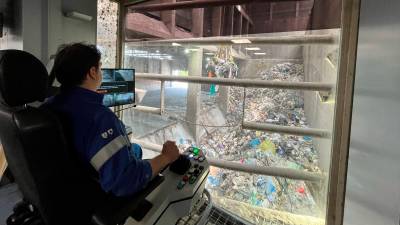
{"points": [[170, 151], [169, 154]]}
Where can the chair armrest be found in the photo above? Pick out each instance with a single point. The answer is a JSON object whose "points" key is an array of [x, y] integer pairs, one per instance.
{"points": [[116, 210]]}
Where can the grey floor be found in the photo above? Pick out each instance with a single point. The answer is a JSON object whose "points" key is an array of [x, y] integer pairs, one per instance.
{"points": [[9, 196]]}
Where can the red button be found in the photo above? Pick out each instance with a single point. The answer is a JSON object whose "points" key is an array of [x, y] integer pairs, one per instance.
{"points": [[185, 178]]}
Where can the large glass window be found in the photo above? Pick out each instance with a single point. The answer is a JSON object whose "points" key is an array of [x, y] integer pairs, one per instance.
{"points": [[279, 43]]}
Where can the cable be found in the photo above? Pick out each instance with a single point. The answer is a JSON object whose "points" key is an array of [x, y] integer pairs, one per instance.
{"points": [[244, 104], [186, 121], [130, 107], [200, 124]]}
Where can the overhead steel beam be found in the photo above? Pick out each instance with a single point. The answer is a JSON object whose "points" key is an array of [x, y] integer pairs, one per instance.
{"points": [[137, 22], [197, 22], [169, 18], [194, 4], [244, 14], [282, 40]]}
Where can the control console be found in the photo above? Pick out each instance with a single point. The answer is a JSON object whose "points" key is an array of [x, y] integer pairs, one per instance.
{"points": [[181, 189]]}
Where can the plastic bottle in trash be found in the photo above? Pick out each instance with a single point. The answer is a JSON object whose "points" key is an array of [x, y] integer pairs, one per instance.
{"points": [[213, 181], [254, 143]]}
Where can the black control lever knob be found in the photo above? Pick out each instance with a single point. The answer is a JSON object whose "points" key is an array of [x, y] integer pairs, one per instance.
{"points": [[181, 165]]}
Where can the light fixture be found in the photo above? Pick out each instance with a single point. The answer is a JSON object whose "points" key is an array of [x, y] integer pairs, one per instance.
{"points": [[158, 51], [209, 53], [176, 44], [260, 53], [241, 41], [186, 51], [193, 49], [79, 16], [253, 49], [147, 54]]}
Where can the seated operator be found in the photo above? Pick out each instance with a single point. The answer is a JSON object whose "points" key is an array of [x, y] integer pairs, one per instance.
{"points": [[96, 134]]}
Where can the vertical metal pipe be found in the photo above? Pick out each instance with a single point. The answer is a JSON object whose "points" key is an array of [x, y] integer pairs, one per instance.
{"points": [[162, 97], [120, 46], [120, 36], [243, 105]]}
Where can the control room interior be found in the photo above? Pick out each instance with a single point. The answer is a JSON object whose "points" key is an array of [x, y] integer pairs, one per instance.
{"points": [[285, 112]]}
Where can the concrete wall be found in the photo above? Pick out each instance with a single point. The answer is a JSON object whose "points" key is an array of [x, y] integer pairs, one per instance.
{"points": [[372, 187], [12, 25], [74, 30], [34, 25], [320, 114], [45, 27]]}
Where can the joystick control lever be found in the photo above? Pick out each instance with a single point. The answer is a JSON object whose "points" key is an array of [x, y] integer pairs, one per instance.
{"points": [[181, 165]]}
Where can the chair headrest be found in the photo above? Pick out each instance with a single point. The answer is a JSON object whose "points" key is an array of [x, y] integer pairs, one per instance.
{"points": [[23, 78]]}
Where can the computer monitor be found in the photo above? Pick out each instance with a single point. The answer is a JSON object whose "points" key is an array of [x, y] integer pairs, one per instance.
{"points": [[118, 87]]}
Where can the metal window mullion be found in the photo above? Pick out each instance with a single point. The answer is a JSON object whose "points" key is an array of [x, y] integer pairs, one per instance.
{"points": [[162, 97]]}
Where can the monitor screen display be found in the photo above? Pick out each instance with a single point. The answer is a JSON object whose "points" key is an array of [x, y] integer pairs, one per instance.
{"points": [[118, 87]]}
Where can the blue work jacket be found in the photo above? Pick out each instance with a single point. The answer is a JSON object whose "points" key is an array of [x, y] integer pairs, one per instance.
{"points": [[101, 142]]}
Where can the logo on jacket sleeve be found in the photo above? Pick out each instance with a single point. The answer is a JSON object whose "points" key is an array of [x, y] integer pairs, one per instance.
{"points": [[108, 133]]}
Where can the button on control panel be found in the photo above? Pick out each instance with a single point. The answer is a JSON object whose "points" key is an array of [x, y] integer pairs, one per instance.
{"points": [[196, 158]]}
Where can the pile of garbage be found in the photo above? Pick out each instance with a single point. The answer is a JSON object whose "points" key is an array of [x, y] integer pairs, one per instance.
{"points": [[277, 106], [227, 69], [282, 107]]}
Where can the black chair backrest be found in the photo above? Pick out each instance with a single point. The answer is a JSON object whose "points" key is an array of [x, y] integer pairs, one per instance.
{"points": [[37, 152]]}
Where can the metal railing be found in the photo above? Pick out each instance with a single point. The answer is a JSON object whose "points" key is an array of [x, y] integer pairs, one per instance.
{"points": [[249, 83], [245, 83], [286, 130], [269, 171], [262, 170]]}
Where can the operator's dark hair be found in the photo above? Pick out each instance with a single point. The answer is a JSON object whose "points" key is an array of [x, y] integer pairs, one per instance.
{"points": [[73, 62]]}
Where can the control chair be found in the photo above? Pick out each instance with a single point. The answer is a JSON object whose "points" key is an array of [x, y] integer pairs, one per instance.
{"points": [[55, 188]]}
